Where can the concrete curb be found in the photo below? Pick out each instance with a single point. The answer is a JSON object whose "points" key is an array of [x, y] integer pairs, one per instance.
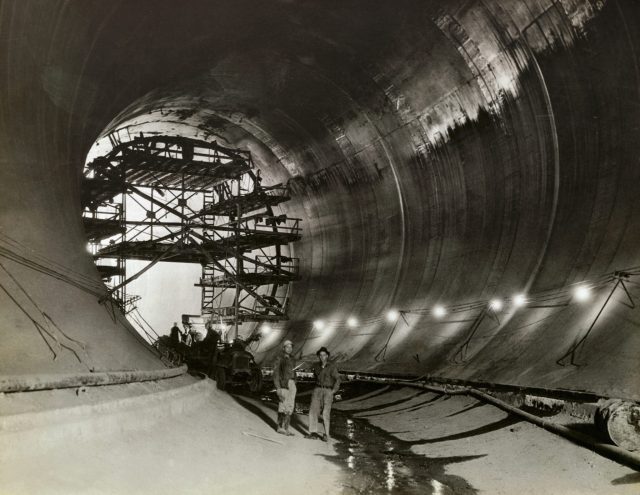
{"points": [[22, 434], [27, 383]]}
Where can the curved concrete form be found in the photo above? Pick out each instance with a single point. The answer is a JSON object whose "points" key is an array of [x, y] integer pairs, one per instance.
{"points": [[439, 153]]}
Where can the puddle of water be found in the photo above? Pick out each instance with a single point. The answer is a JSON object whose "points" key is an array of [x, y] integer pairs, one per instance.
{"points": [[375, 462]]}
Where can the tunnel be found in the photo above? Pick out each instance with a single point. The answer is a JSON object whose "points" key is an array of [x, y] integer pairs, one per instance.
{"points": [[467, 178]]}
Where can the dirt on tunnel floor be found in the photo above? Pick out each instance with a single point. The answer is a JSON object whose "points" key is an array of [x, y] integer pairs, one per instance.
{"points": [[385, 440], [227, 446], [431, 443]]}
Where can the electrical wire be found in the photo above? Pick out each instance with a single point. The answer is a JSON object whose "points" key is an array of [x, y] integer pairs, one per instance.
{"points": [[41, 328], [135, 320], [83, 283], [45, 262], [137, 312]]}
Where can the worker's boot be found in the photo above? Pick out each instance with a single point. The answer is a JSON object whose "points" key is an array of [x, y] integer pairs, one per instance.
{"points": [[281, 419], [287, 420]]}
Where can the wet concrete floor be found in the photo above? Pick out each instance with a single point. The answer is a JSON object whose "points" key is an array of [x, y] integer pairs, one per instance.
{"points": [[388, 440], [377, 462], [374, 461]]}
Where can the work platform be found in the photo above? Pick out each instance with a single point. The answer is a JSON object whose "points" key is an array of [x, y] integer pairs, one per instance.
{"points": [[171, 161], [96, 192], [260, 198], [259, 236], [237, 241], [255, 279], [264, 270], [228, 314], [108, 271], [151, 250], [249, 278], [98, 229]]}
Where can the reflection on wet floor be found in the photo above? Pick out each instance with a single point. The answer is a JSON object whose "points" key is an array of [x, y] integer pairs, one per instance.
{"points": [[376, 462]]}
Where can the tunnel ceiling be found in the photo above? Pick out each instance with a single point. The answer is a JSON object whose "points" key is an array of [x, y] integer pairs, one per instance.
{"points": [[439, 153]]}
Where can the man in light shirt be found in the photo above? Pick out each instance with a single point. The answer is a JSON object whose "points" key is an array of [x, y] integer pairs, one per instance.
{"points": [[284, 380], [327, 384]]}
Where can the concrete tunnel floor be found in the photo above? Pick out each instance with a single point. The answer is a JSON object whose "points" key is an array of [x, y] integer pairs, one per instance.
{"points": [[385, 440]]}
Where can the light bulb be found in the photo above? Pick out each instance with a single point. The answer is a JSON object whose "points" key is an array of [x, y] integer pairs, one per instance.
{"points": [[392, 315], [439, 311], [582, 293], [495, 304], [319, 324], [519, 300], [352, 322]]}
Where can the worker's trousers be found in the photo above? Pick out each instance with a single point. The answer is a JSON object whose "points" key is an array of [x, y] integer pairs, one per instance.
{"points": [[287, 398], [321, 399]]}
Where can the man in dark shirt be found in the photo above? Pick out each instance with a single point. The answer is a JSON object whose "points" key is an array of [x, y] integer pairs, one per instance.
{"points": [[175, 334], [209, 347], [284, 380], [327, 383]]}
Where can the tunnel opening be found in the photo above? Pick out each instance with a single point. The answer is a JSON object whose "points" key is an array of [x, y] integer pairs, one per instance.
{"points": [[160, 198]]}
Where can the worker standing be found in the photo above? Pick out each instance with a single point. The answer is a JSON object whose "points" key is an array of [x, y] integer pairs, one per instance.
{"points": [[175, 334], [284, 380], [327, 384], [210, 349]]}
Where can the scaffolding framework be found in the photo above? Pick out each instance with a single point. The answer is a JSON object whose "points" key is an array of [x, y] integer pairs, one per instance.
{"points": [[169, 198]]}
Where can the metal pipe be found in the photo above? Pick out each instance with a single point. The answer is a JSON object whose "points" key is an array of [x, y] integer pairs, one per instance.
{"points": [[403, 383], [552, 393], [29, 383], [610, 451]]}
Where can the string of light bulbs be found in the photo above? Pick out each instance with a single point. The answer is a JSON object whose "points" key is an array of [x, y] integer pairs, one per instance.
{"points": [[580, 292]]}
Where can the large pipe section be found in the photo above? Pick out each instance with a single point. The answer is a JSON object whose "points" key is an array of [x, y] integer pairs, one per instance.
{"points": [[11, 384]]}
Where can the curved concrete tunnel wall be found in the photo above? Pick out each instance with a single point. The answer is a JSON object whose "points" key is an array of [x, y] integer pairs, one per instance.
{"points": [[439, 153]]}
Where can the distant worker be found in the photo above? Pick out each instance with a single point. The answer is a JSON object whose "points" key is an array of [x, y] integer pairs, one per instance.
{"points": [[210, 349], [284, 380], [327, 381], [192, 335], [257, 183], [175, 335]]}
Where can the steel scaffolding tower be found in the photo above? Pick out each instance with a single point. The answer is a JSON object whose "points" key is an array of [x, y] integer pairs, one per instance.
{"points": [[251, 238], [169, 198]]}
